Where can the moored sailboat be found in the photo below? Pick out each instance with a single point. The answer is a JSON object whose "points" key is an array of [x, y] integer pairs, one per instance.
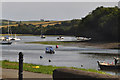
{"points": [[15, 38], [42, 36]]}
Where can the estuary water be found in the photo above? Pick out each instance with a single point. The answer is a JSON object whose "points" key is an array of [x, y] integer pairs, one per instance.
{"points": [[64, 55]]}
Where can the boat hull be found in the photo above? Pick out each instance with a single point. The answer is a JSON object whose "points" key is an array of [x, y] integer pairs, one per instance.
{"points": [[43, 37], [60, 38], [108, 67], [50, 52], [9, 43]]}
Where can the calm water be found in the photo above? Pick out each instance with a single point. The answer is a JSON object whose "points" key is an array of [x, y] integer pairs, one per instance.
{"points": [[64, 55]]}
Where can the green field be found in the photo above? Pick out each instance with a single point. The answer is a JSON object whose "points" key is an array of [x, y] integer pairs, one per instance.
{"points": [[43, 23], [51, 42]]}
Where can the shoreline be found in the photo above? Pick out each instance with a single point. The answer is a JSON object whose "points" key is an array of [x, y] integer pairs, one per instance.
{"points": [[89, 44], [103, 45]]}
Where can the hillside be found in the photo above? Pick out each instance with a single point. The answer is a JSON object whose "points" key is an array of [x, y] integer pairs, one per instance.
{"points": [[102, 24]]}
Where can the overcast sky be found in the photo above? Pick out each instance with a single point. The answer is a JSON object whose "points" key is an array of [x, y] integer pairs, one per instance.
{"points": [[50, 10]]}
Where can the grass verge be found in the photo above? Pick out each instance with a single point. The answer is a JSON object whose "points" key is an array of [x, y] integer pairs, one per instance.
{"points": [[40, 68], [52, 42]]}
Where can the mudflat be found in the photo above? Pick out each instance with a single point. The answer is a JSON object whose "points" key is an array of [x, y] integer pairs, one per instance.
{"points": [[104, 45]]}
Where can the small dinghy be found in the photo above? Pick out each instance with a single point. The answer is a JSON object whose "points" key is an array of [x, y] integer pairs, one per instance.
{"points": [[50, 50]]}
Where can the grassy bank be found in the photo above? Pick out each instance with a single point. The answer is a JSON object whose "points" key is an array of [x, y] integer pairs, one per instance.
{"points": [[105, 45], [39, 68], [52, 42]]}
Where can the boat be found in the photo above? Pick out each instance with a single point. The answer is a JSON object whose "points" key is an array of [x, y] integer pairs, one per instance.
{"points": [[79, 38], [2, 38], [60, 37], [42, 36], [112, 66], [7, 37], [6, 43], [50, 50], [15, 38], [83, 38]]}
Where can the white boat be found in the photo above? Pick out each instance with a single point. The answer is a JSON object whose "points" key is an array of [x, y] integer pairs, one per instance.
{"points": [[15, 38], [79, 38], [60, 37], [2, 38], [7, 37], [42, 36], [83, 38], [11, 38]]}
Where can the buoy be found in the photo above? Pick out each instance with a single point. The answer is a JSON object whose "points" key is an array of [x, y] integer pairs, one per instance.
{"points": [[112, 62], [81, 65], [41, 57], [49, 60], [56, 46]]}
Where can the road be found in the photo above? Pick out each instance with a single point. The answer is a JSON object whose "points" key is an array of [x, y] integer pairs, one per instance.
{"points": [[12, 73]]}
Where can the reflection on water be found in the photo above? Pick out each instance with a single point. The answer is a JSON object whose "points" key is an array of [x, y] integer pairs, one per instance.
{"points": [[113, 72], [64, 55]]}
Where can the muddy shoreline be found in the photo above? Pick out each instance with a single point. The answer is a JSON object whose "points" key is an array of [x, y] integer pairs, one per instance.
{"points": [[103, 45]]}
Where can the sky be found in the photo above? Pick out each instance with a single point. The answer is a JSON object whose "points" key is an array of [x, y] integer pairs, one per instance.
{"points": [[59, 0], [49, 10]]}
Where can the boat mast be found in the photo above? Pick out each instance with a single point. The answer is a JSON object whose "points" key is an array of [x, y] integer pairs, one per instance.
{"points": [[15, 35], [8, 27], [41, 29], [9, 30]]}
